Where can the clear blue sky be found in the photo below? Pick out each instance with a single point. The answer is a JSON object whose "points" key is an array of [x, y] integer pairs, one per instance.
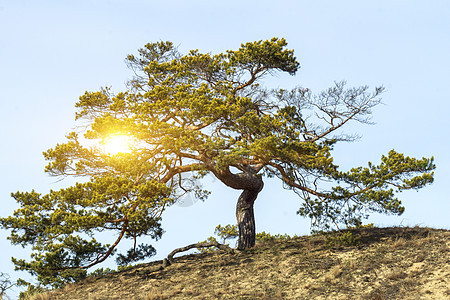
{"points": [[53, 51]]}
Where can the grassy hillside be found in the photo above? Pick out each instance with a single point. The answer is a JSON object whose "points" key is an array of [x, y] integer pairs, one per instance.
{"points": [[371, 263]]}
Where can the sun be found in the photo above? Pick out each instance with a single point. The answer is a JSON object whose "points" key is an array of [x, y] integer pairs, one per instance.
{"points": [[116, 144]]}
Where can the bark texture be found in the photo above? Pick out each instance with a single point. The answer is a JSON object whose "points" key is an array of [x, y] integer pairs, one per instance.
{"points": [[251, 184], [246, 218]]}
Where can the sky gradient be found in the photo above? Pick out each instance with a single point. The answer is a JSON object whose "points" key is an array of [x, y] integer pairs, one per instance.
{"points": [[53, 51]]}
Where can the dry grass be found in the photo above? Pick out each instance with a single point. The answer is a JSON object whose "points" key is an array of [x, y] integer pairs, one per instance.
{"points": [[388, 263]]}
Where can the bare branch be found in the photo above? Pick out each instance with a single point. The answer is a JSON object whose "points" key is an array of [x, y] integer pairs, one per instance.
{"points": [[199, 245]]}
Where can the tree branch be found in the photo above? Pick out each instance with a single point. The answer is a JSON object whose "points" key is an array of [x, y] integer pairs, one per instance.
{"points": [[199, 245], [110, 250], [294, 184], [252, 79], [180, 169]]}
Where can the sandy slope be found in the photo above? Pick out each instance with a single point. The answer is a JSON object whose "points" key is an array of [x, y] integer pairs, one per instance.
{"points": [[386, 263]]}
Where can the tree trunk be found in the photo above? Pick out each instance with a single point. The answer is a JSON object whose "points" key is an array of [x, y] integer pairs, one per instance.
{"points": [[251, 184], [246, 219]]}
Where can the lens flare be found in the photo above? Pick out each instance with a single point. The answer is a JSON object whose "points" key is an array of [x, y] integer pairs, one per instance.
{"points": [[117, 144]]}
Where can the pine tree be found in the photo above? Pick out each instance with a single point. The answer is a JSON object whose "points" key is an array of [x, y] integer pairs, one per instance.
{"points": [[202, 114]]}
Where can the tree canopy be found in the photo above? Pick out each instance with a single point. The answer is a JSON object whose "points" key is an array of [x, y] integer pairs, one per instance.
{"points": [[203, 114]]}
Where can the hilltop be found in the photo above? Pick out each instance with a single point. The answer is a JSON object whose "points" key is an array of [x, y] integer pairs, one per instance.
{"points": [[366, 263]]}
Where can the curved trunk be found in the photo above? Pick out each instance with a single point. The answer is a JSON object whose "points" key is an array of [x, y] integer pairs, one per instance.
{"points": [[251, 184], [246, 219]]}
